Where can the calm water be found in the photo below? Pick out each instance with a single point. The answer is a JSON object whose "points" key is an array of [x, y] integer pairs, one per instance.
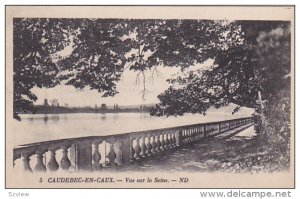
{"points": [[43, 127]]}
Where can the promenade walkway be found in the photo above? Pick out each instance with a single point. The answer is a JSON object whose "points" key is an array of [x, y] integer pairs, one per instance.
{"points": [[222, 152]]}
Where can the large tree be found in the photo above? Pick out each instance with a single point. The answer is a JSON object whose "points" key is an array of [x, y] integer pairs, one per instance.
{"points": [[34, 41], [100, 50], [248, 70], [96, 59]]}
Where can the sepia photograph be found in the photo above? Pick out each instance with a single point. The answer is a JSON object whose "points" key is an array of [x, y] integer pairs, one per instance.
{"points": [[149, 97]]}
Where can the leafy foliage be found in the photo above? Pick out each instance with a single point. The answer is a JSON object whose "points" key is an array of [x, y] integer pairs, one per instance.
{"points": [[253, 57], [101, 49], [34, 41], [97, 59], [94, 53]]}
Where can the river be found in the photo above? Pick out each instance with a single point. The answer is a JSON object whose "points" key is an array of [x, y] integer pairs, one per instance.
{"points": [[44, 127]]}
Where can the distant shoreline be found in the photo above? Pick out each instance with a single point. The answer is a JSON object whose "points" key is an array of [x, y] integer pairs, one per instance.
{"points": [[28, 113], [64, 110]]}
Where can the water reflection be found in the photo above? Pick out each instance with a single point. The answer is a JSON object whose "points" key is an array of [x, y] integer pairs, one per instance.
{"points": [[53, 118], [45, 119], [144, 115], [103, 117], [31, 119], [115, 116]]}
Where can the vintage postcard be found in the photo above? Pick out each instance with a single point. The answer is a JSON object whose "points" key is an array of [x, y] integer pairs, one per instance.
{"points": [[150, 97]]}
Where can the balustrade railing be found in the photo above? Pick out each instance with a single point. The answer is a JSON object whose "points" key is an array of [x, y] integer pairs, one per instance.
{"points": [[99, 152]]}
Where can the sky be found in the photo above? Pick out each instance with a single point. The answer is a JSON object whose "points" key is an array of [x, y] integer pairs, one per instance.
{"points": [[130, 92]]}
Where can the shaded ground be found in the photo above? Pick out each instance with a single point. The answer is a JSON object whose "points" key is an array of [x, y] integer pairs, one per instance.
{"points": [[234, 151]]}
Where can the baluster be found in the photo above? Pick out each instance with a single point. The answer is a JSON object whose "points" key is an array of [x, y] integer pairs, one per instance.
{"points": [[26, 162], [143, 147], [153, 143], [194, 134], [174, 139], [169, 141], [148, 146], [172, 142], [52, 164], [189, 135], [111, 156], [65, 163], [201, 132], [184, 136], [132, 151], [137, 149], [169, 138], [97, 155], [40, 166], [162, 142], [158, 144], [165, 138], [180, 138]]}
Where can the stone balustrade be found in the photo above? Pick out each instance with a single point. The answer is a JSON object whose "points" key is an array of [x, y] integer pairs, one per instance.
{"points": [[100, 152]]}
